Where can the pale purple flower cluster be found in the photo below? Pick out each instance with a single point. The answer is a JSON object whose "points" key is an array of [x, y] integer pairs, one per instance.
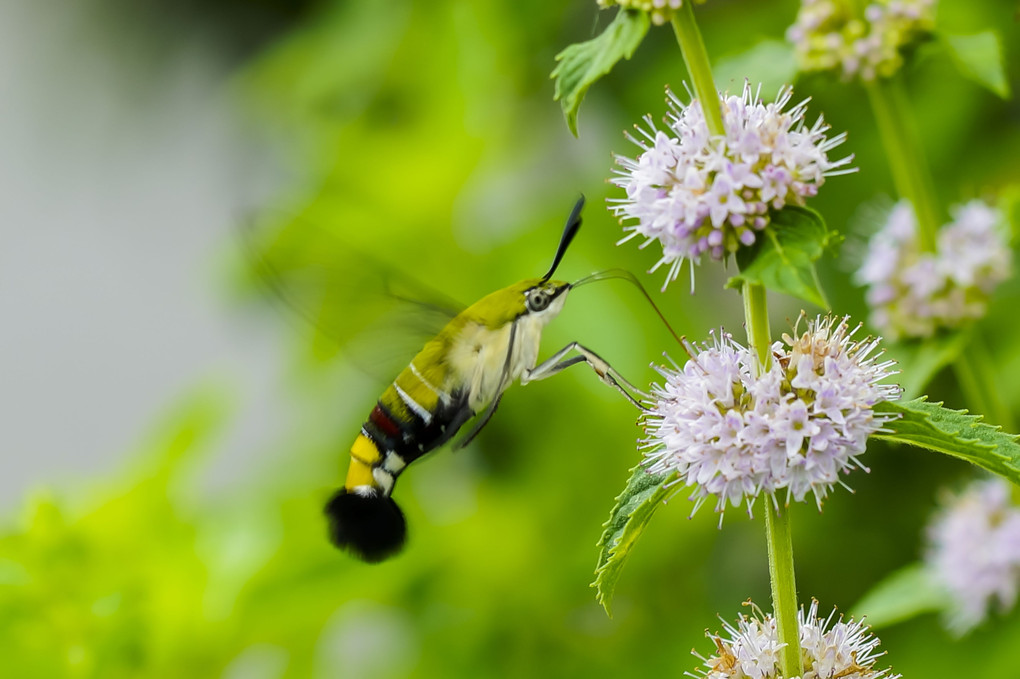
{"points": [[732, 434], [830, 35], [974, 552], [751, 649], [698, 194], [913, 293], [660, 11]]}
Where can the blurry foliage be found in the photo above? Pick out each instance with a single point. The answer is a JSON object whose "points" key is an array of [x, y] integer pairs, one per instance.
{"points": [[115, 587], [425, 134]]}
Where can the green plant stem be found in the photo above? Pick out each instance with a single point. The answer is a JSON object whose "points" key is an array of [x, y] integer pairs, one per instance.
{"points": [[784, 587], [906, 155], [698, 66], [777, 525], [976, 375], [974, 370], [756, 318]]}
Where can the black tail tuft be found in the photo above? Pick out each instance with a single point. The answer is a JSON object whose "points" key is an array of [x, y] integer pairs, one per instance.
{"points": [[371, 527]]}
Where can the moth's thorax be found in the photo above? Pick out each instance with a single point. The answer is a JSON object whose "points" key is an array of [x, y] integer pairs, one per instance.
{"points": [[477, 359], [479, 351]]}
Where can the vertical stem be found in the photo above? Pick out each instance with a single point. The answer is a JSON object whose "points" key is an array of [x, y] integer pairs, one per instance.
{"points": [[980, 357], [784, 586], [974, 371], [756, 317], [777, 525], [906, 155], [976, 376], [698, 66], [967, 377]]}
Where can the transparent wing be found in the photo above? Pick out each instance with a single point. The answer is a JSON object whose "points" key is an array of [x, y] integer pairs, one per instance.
{"points": [[365, 308]]}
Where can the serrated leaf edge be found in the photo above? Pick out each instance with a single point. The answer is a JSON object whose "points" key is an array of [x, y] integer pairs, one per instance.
{"points": [[558, 71], [667, 487], [973, 421]]}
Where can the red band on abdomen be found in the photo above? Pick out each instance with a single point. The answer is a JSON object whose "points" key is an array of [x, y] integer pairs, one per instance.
{"points": [[385, 423]]}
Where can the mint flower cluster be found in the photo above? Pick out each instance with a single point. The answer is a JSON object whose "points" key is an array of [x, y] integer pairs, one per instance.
{"points": [[974, 552], [700, 194], [732, 435], [913, 293], [660, 11], [829, 35], [751, 648]]}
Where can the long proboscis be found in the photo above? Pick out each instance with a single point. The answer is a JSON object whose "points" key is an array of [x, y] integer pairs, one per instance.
{"points": [[569, 231], [625, 275]]}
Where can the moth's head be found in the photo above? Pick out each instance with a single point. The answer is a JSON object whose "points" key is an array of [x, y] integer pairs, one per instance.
{"points": [[545, 298]]}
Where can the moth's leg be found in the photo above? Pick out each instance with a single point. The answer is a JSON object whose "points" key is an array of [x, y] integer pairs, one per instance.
{"points": [[607, 373]]}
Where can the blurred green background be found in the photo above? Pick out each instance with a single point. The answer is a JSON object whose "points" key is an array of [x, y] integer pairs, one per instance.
{"points": [[424, 133]]}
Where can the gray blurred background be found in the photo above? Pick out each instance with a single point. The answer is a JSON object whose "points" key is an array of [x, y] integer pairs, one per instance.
{"points": [[124, 169]]}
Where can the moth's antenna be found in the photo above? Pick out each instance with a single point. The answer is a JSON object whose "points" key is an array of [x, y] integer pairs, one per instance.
{"points": [[630, 278], [569, 231]]}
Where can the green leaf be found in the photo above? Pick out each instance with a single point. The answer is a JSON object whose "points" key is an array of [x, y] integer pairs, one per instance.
{"points": [[769, 62], [784, 255], [920, 361], [584, 63], [634, 508], [979, 57], [953, 432], [902, 595], [1009, 203]]}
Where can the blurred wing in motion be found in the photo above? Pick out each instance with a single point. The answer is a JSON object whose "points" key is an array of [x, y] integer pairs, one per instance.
{"points": [[373, 314]]}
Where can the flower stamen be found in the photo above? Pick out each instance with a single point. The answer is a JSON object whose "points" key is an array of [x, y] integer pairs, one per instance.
{"points": [[732, 435], [701, 194]]}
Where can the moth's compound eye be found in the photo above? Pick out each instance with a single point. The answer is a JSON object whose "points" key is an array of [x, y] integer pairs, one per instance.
{"points": [[537, 300]]}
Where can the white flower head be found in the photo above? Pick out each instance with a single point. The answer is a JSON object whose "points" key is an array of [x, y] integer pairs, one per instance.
{"points": [[913, 293], [831, 35], [732, 435], [830, 647], [660, 11], [974, 552], [700, 194]]}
